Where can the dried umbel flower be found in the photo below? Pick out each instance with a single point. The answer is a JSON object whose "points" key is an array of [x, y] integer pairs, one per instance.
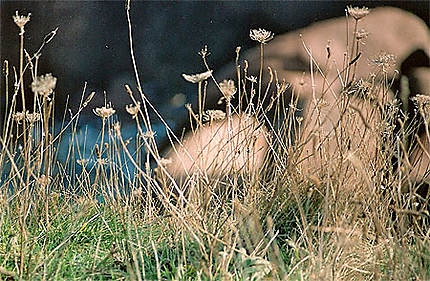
{"points": [[357, 13], [82, 162], [384, 61], [21, 20], [102, 161], [423, 104], [44, 85], [227, 88], [133, 110], [361, 34], [19, 116], [261, 35], [211, 115], [33, 117], [204, 52], [253, 79], [104, 112], [197, 78]]}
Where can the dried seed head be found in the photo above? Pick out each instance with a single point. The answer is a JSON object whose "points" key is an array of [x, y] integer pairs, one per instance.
{"points": [[19, 116], [211, 115], [6, 68], [90, 97], [227, 88], [361, 34], [104, 112], [261, 35], [21, 20], [204, 52], [197, 78], [384, 61], [423, 104], [33, 117], [102, 161], [357, 13], [253, 79], [363, 88], [128, 90], [82, 162], [133, 110], [44, 85]]}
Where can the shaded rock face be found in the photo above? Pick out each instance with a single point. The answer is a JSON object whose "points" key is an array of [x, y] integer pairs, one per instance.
{"points": [[391, 31]]}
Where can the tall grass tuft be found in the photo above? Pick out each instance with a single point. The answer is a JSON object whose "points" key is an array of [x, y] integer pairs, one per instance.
{"points": [[258, 192]]}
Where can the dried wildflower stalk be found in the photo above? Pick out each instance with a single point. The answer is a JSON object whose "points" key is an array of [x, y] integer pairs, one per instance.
{"points": [[263, 36], [104, 112], [44, 85], [199, 78], [357, 13]]}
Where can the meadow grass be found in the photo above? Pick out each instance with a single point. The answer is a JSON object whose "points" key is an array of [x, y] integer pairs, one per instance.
{"points": [[114, 212]]}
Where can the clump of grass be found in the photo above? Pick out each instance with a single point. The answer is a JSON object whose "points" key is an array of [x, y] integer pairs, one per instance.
{"points": [[337, 212]]}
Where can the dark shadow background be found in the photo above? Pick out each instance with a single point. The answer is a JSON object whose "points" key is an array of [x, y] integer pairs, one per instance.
{"points": [[92, 43]]}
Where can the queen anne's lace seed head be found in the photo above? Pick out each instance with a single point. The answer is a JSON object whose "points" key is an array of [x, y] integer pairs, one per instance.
{"points": [[19, 117], [197, 78], [423, 104], [251, 78], [33, 117], [357, 13], [44, 85], [104, 112], [212, 115], [21, 20], [133, 110], [82, 162], [227, 88], [361, 34], [261, 35], [384, 61]]}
